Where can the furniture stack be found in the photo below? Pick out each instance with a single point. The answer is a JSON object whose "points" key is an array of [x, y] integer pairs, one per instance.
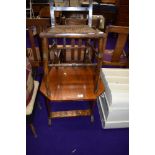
{"points": [[113, 104]]}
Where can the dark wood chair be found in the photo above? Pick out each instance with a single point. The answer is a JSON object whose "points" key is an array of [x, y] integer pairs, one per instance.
{"points": [[116, 57], [34, 52]]}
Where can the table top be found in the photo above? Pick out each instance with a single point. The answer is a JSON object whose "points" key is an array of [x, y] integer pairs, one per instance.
{"points": [[72, 31], [72, 83]]}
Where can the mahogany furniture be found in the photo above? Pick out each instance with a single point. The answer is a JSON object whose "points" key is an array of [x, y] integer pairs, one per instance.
{"points": [[76, 80], [34, 27], [117, 55]]}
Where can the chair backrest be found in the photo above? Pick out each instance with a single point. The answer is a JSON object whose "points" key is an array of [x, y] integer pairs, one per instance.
{"points": [[118, 51], [34, 27], [54, 8]]}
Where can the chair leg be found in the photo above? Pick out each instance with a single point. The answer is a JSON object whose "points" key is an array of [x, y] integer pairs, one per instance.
{"points": [[33, 130], [48, 108]]}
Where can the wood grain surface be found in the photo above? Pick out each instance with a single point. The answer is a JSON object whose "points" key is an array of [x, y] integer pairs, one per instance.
{"points": [[71, 83]]}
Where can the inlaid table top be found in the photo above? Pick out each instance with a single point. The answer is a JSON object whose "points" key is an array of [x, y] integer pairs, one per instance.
{"points": [[72, 83]]}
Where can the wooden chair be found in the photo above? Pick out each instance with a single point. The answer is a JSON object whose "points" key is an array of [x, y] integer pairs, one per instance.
{"points": [[117, 55], [34, 52], [34, 27]]}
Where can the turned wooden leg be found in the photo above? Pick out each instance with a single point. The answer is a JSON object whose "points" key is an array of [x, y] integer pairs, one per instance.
{"points": [[48, 108], [33, 130]]}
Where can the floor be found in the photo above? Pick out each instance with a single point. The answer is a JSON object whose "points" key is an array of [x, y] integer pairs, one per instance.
{"points": [[74, 135]]}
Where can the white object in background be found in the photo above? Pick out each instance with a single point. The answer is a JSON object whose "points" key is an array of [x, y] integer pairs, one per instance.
{"points": [[114, 103], [30, 106]]}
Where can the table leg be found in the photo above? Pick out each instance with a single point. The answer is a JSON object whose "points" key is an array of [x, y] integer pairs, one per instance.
{"points": [[99, 63], [45, 64], [48, 108]]}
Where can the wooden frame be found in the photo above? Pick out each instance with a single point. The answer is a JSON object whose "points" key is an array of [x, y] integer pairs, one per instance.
{"points": [[123, 33], [40, 25], [61, 82]]}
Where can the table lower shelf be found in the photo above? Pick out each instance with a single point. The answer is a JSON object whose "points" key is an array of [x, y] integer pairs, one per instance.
{"points": [[70, 113]]}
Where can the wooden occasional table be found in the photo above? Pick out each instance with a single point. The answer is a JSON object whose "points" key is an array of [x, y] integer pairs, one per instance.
{"points": [[74, 81]]}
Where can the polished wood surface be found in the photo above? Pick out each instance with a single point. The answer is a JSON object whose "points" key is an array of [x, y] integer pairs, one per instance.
{"points": [[71, 83]]}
